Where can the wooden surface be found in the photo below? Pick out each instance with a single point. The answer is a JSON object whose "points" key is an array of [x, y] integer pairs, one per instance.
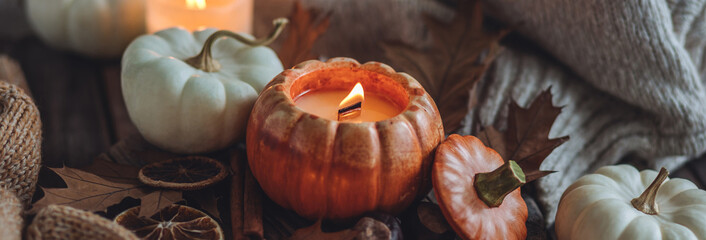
{"points": [[83, 112]]}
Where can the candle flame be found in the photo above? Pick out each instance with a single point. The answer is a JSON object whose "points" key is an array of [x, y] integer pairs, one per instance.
{"points": [[351, 106], [355, 96], [196, 4]]}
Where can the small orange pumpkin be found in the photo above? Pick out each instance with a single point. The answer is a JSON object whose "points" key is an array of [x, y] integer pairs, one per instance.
{"points": [[491, 210], [322, 168]]}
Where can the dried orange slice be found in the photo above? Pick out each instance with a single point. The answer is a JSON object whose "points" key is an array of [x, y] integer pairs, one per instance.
{"points": [[174, 222], [187, 173]]}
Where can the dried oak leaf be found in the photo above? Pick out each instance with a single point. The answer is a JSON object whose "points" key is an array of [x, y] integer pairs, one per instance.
{"points": [[366, 228], [460, 53], [104, 184], [305, 27], [526, 139]]}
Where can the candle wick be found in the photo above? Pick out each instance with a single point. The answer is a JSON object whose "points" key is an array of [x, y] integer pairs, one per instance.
{"points": [[350, 111]]}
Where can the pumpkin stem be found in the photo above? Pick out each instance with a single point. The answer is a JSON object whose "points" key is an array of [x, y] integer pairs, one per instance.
{"points": [[492, 187], [206, 63], [646, 201]]}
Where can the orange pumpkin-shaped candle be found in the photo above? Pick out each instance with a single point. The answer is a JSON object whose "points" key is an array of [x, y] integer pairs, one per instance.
{"points": [[477, 191], [325, 168]]}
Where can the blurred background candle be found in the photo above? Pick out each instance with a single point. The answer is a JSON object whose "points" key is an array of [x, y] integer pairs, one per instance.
{"points": [[233, 15]]}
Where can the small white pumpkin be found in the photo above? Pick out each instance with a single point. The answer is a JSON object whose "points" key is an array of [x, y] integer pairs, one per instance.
{"points": [[618, 202], [191, 104], [96, 28]]}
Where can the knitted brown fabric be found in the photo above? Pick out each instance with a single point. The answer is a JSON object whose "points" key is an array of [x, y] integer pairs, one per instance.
{"points": [[63, 222], [10, 216], [20, 141]]}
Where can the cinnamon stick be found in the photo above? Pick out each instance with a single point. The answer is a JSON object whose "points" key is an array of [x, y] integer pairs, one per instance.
{"points": [[236, 194], [252, 222]]}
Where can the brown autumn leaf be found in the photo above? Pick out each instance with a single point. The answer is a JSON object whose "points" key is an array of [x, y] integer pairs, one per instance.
{"points": [[206, 199], [526, 139], [305, 27], [430, 216], [158, 200], [105, 185], [460, 53], [118, 173], [366, 228]]}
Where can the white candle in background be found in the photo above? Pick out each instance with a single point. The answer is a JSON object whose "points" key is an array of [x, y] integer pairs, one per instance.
{"points": [[233, 15]]}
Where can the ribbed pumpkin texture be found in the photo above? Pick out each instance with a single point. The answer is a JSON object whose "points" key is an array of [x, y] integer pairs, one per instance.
{"points": [[322, 168]]}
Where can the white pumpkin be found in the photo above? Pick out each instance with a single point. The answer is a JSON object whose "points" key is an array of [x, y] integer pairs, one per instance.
{"points": [[618, 202], [96, 28], [184, 109]]}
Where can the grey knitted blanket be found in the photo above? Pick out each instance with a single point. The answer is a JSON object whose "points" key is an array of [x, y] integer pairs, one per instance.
{"points": [[628, 73]]}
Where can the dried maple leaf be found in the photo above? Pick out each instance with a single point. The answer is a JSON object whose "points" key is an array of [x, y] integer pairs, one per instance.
{"points": [[366, 228], [526, 139], [106, 185], [460, 53], [305, 27]]}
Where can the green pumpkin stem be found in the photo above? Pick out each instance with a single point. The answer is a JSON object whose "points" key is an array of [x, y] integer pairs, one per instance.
{"points": [[492, 187], [205, 62], [646, 201]]}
